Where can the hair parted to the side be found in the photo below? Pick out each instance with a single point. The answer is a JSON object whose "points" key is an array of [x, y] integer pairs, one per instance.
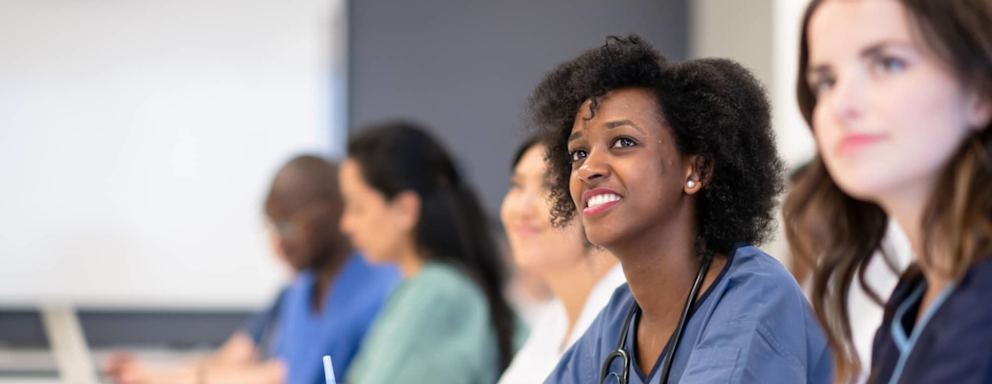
{"points": [[400, 156], [715, 109], [837, 235]]}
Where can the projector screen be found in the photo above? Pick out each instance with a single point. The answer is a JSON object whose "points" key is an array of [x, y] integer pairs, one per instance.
{"points": [[138, 138]]}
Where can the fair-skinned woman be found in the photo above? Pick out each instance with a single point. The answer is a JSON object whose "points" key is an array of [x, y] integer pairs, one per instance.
{"points": [[899, 98], [407, 205], [581, 277]]}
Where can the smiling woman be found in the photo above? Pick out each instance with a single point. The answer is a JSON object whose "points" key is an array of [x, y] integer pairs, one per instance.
{"points": [[581, 277], [673, 168]]}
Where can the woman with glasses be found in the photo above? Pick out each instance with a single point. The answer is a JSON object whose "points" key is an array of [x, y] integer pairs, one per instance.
{"points": [[673, 169]]}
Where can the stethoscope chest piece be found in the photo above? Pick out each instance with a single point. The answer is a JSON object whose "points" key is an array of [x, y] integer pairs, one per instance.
{"points": [[605, 373]]}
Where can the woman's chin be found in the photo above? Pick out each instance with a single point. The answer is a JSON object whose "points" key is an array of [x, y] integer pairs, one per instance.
{"points": [[602, 239], [373, 259], [864, 188]]}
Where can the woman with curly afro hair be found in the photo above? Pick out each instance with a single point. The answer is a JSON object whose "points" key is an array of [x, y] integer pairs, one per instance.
{"points": [[672, 167]]}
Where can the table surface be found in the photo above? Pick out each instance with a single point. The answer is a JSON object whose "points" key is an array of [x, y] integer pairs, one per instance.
{"points": [[37, 366]]}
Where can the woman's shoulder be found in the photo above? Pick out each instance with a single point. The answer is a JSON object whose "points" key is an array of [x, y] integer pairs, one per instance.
{"points": [[966, 313], [752, 268], [758, 293], [757, 290], [764, 315], [438, 299], [443, 276], [441, 285], [957, 337]]}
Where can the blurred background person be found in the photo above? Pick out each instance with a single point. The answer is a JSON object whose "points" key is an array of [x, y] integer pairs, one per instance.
{"points": [[581, 276], [406, 204], [898, 95], [326, 310], [867, 295]]}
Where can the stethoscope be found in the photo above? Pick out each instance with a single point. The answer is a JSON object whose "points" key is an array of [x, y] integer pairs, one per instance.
{"points": [[673, 342]]}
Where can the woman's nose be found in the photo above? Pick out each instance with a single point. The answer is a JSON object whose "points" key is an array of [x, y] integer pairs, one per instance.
{"points": [[594, 167]]}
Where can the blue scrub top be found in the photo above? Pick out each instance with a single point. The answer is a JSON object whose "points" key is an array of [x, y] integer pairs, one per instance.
{"points": [[753, 325], [290, 331], [951, 342]]}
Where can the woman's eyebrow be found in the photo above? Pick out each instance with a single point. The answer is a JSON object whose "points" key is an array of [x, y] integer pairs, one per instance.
{"points": [[620, 123], [878, 48], [575, 135]]}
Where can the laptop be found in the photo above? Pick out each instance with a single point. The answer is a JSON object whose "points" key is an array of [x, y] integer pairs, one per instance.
{"points": [[65, 336]]}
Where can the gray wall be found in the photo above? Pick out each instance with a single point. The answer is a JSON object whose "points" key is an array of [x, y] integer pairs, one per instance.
{"points": [[466, 68], [106, 329]]}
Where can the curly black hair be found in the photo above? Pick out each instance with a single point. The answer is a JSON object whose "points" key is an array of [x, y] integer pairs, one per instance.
{"points": [[715, 109]]}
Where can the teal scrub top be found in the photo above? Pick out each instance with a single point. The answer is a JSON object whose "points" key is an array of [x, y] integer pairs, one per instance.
{"points": [[435, 328]]}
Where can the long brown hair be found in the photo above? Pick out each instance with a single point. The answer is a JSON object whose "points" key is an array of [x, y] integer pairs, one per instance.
{"points": [[837, 234]]}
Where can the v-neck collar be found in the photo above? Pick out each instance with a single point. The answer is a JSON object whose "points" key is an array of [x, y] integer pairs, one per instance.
{"points": [[905, 331], [632, 332], [635, 366]]}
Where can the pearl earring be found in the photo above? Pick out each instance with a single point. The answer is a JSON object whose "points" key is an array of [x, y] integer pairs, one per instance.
{"points": [[690, 184]]}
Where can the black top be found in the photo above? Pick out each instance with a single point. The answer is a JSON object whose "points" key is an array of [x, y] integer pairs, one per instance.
{"points": [[954, 346]]}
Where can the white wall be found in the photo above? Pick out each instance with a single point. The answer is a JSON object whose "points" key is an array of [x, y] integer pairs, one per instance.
{"points": [[740, 30], [795, 141], [763, 35], [137, 139]]}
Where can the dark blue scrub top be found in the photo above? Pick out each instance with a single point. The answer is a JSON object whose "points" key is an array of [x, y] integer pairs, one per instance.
{"points": [[952, 342]]}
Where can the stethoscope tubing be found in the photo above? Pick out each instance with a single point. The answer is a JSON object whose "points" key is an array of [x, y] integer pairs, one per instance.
{"points": [[669, 357]]}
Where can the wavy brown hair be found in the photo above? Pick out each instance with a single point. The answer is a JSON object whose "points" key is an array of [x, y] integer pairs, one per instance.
{"points": [[838, 234]]}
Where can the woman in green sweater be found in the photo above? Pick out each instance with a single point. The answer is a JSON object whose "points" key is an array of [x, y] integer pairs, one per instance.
{"points": [[406, 204]]}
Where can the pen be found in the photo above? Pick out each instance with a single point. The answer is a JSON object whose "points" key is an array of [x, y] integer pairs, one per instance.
{"points": [[329, 370]]}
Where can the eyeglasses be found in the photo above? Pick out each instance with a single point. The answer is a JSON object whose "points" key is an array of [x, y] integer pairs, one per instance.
{"points": [[284, 227], [288, 224]]}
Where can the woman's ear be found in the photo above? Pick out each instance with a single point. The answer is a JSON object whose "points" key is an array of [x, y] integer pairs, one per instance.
{"points": [[405, 208], [979, 111], [697, 173]]}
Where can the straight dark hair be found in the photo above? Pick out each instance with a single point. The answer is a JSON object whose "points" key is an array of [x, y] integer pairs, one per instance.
{"points": [[837, 235], [522, 149], [401, 156]]}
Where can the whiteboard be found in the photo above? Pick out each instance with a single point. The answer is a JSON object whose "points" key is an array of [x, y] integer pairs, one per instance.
{"points": [[138, 138]]}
